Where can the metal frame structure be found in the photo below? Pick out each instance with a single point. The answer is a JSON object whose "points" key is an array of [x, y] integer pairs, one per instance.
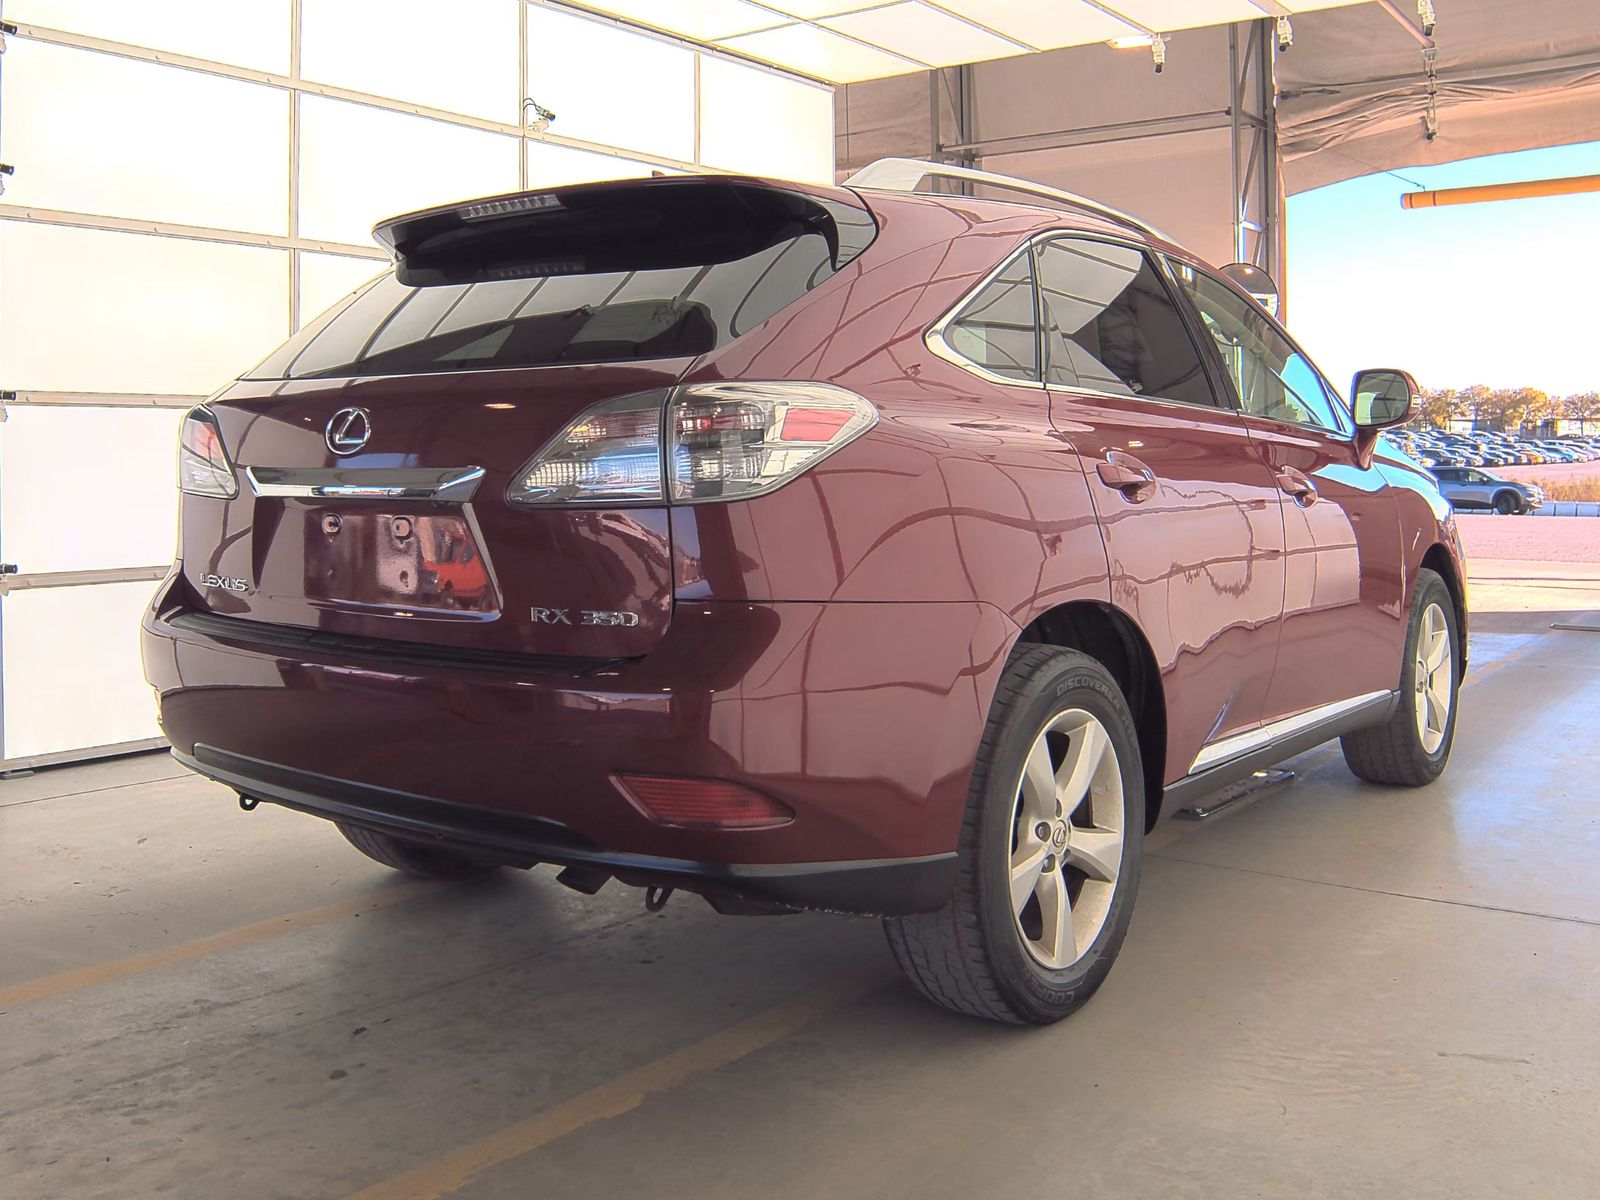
{"points": [[1250, 119], [1258, 235]]}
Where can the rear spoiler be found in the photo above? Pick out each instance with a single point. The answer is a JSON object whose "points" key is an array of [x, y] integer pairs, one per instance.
{"points": [[626, 225]]}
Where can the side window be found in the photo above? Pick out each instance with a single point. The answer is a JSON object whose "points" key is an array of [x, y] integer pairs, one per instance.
{"points": [[1273, 378], [998, 330], [1111, 326]]}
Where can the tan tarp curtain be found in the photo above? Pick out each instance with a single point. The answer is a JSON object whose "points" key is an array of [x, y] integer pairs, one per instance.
{"points": [[1513, 75]]}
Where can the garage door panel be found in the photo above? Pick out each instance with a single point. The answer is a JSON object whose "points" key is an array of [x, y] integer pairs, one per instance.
{"points": [[89, 310], [373, 46], [140, 161], [247, 33], [359, 165], [57, 466], [70, 668]]}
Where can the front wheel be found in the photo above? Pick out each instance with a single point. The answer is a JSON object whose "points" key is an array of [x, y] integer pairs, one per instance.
{"points": [[1049, 850], [1506, 504], [1412, 747]]}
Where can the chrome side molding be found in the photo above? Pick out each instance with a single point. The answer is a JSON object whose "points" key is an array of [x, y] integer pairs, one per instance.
{"points": [[1239, 744], [447, 485]]}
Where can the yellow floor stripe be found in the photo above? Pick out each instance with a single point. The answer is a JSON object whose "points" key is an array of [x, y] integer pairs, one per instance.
{"points": [[69, 981], [621, 1095]]}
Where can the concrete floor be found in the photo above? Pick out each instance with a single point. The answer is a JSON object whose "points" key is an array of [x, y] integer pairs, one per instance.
{"points": [[1334, 990]]}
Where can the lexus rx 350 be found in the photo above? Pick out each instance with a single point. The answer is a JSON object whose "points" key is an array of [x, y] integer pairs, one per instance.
{"points": [[841, 548]]}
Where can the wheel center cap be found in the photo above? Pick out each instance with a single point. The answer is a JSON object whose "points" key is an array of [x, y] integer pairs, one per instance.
{"points": [[1058, 838]]}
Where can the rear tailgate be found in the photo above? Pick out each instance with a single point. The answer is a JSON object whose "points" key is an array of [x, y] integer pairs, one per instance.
{"points": [[454, 574]]}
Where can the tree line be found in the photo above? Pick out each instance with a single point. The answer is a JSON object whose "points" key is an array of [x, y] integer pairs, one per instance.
{"points": [[1509, 409]]}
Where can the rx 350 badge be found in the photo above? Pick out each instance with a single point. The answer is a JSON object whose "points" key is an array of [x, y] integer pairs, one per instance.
{"points": [[586, 616]]}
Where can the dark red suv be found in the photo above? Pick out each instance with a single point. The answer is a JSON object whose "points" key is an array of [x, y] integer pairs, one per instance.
{"points": [[834, 548]]}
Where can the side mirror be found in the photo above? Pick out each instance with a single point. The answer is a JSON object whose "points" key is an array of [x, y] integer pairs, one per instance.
{"points": [[1379, 399], [1257, 282]]}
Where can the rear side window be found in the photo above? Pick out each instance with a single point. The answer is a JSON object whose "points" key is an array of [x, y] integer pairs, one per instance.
{"points": [[998, 330], [673, 274], [1110, 325]]}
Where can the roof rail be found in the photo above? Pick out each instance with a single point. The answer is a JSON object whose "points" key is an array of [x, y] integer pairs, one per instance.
{"points": [[903, 175]]}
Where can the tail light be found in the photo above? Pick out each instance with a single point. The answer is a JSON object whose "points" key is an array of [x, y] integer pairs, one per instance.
{"points": [[702, 803], [611, 453], [710, 441], [203, 466]]}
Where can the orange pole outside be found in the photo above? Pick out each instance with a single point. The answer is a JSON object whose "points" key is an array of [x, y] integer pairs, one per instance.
{"points": [[1502, 191]]}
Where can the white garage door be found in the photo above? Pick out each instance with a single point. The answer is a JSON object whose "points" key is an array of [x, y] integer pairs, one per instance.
{"points": [[195, 180]]}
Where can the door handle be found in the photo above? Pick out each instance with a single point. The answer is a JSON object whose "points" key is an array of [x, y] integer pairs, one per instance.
{"points": [[1299, 486], [1128, 475]]}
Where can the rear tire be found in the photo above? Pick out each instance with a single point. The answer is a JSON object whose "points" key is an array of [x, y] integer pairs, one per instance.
{"points": [[1050, 850], [1411, 748], [415, 858]]}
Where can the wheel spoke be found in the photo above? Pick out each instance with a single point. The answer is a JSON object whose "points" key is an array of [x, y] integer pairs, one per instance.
{"points": [[1038, 784], [1438, 649], [1057, 940], [1083, 760], [1027, 864], [1438, 708], [1096, 852]]}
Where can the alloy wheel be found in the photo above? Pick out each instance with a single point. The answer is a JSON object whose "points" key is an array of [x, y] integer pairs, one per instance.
{"points": [[1435, 675], [1067, 838]]}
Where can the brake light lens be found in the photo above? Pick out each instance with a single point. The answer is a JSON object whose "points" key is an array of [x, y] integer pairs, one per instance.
{"points": [[733, 440], [704, 442], [610, 454], [203, 466], [702, 803]]}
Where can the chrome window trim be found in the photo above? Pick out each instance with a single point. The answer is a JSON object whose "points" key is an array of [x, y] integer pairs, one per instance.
{"points": [[1345, 431], [1239, 744], [935, 340], [448, 485]]}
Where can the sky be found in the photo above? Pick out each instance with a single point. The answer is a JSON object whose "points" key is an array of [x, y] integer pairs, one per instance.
{"points": [[1505, 294]]}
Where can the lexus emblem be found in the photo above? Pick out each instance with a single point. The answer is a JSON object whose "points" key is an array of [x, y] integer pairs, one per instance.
{"points": [[348, 430]]}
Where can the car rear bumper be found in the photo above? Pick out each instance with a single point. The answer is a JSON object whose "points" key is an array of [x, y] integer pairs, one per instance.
{"points": [[862, 718], [870, 886]]}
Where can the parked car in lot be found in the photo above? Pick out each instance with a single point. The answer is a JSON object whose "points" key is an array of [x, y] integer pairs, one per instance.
{"points": [[841, 548], [1470, 487]]}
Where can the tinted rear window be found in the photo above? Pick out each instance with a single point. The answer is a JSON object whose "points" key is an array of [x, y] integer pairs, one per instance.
{"points": [[639, 281]]}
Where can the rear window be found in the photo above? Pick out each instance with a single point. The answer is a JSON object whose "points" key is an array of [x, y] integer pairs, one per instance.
{"points": [[591, 275]]}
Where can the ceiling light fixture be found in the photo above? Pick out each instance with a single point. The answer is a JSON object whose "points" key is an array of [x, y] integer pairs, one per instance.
{"points": [[1157, 42]]}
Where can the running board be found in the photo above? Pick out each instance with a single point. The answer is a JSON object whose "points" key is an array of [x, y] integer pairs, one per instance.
{"points": [[1242, 755], [1239, 744]]}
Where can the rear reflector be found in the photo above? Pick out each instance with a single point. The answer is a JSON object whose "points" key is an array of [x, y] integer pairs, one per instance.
{"points": [[702, 803]]}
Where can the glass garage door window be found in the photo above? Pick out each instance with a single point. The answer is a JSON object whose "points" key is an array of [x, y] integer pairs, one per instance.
{"points": [[95, 133], [89, 310], [461, 57], [645, 101], [360, 164], [69, 667], [247, 33]]}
